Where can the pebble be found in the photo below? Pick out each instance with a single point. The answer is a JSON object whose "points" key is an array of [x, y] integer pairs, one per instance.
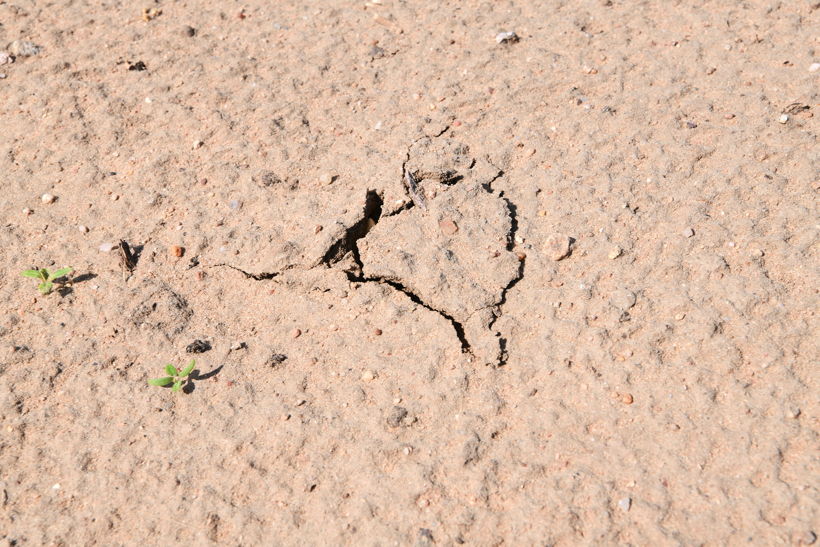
{"points": [[197, 144], [614, 253], [106, 247], [325, 178], [784, 118], [198, 346], [557, 246], [83, 229], [377, 332], [625, 504], [5, 58], [689, 232], [2, 76], [27, 211], [448, 227], [24, 48], [622, 299], [176, 250], [814, 67], [189, 31], [506, 37], [627, 399], [368, 375], [234, 204], [396, 416], [47, 198], [318, 228], [238, 345], [295, 333]]}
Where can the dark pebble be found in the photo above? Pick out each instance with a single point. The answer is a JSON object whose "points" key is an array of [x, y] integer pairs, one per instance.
{"points": [[198, 346], [276, 359], [396, 416]]}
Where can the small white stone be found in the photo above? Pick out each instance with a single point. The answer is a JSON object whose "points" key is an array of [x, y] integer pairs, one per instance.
{"points": [[198, 144], [56, 486], [689, 232], [625, 504], [2, 76], [614, 253], [502, 37], [106, 247], [814, 67], [519, 240], [27, 211], [784, 118], [368, 375], [148, 100], [47, 198], [24, 48], [83, 229], [237, 345], [325, 178], [5, 58]]}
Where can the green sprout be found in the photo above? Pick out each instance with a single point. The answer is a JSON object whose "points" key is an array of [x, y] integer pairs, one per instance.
{"points": [[175, 376], [47, 278]]}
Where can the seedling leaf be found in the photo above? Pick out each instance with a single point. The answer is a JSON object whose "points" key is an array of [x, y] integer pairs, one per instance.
{"points": [[161, 381], [32, 273], [60, 273], [171, 369], [187, 370], [177, 385]]}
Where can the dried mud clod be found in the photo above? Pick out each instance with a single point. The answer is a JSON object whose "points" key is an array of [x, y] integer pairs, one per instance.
{"points": [[453, 258]]}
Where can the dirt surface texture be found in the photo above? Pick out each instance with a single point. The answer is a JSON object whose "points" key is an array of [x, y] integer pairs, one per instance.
{"points": [[480, 273]]}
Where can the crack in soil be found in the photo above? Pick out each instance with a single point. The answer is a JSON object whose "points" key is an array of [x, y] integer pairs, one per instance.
{"points": [[371, 213], [465, 345], [258, 277], [498, 312]]}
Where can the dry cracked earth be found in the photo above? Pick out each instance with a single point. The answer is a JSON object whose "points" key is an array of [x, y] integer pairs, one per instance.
{"points": [[556, 288]]}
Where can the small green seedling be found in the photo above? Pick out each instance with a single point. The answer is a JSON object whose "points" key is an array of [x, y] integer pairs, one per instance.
{"points": [[47, 278], [175, 376]]}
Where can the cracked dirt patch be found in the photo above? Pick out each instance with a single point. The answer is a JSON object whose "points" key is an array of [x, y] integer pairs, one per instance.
{"points": [[345, 235], [453, 257]]}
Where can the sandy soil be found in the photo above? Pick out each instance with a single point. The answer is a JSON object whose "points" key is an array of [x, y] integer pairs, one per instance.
{"points": [[557, 290]]}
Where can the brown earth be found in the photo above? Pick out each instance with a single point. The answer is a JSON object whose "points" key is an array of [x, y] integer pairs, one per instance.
{"points": [[556, 290]]}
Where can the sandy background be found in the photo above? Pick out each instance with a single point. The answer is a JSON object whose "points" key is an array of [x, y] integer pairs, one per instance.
{"points": [[386, 372]]}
